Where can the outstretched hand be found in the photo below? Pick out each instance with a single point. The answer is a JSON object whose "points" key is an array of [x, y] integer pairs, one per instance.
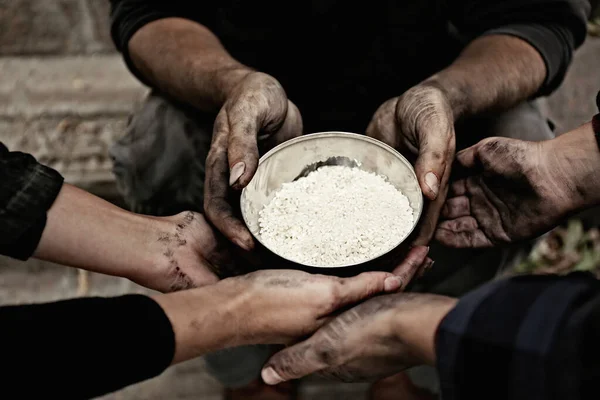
{"points": [[513, 190]]}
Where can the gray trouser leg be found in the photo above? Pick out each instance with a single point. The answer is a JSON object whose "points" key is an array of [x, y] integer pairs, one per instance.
{"points": [[458, 271], [159, 166]]}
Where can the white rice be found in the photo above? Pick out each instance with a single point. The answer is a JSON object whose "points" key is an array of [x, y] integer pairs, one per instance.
{"points": [[335, 216]]}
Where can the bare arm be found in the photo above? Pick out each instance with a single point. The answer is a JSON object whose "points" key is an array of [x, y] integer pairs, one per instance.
{"points": [[186, 60], [164, 254], [492, 73]]}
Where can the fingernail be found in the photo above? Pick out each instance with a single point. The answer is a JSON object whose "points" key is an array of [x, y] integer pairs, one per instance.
{"points": [[432, 181], [235, 173], [270, 376], [392, 283], [426, 268], [240, 243]]}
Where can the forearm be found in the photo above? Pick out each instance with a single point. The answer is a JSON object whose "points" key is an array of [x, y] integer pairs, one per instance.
{"points": [[187, 61], [576, 155], [87, 232], [492, 73], [417, 330], [205, 319]]}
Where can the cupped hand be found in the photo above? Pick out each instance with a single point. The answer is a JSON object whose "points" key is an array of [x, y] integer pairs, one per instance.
{"points": [[282, 306], [190, 253], [256, 111], [375, 339], [513, 190], [420, 124]]}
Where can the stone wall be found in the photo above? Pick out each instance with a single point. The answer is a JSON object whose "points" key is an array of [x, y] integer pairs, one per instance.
{"points": [[65, 94]]}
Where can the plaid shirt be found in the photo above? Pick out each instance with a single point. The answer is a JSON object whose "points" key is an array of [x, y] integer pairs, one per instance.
{"points": [[27, 191], [529, 337]]}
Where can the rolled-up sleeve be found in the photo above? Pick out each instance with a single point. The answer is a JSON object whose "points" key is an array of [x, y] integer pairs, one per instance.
{"points": [[553, 27], [27, 191], [128, 16], [532, 337]]}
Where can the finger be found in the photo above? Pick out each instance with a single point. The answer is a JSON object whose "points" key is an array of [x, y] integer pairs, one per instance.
{"points": [[428, 222], [435, 153], [383, 125], [360, 287], [411, 264], [461, 224], [242, 147], [458, 188], [292, 127], [466, 239], [216, 206], [426, 266], [466, 158], [294, 362], [456, 207]]}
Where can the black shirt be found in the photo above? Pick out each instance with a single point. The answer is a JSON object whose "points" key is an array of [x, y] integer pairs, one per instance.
{"points": [[340, 60], [73, 349]]}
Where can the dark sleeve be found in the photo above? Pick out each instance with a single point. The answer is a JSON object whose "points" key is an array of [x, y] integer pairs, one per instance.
{"points": [[128, 16], [82, 348], [533, 337], [553, 27], [27, 190]]}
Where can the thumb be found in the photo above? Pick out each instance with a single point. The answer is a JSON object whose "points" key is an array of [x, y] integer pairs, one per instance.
{"points": [[293, 362], [411, 264], [431, 164], [366, 285], [242, 147], [466, 158]]}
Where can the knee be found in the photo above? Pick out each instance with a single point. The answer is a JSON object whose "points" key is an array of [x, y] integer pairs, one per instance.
{"points": [[159, 162]]}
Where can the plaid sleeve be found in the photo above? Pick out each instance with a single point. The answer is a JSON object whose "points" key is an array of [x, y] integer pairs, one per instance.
{"points": [[129, 16], [27, 190], [522, 338]]}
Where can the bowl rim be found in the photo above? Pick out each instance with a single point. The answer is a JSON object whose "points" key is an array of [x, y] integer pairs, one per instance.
{"points": [[358, 136]]}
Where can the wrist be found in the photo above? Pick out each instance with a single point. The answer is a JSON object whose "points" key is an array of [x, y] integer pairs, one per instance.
{"points": [[416, 325], [194, 315], [227, 79], [175, 250], [455, 90], [148, 269], [576, 155]]}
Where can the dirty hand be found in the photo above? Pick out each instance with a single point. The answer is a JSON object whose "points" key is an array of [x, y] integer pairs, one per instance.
{"points": [[256, 110], [189, 254], [516, 190], [281, 306], [375, 339], [420, 124]]}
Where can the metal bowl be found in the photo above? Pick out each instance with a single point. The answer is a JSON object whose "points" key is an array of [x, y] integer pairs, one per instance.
{"points": [[299, 156]]}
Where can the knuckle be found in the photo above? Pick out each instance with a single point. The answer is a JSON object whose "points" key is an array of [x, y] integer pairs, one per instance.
{"points": [[326, 355], [333, 299], [212, 160]]}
